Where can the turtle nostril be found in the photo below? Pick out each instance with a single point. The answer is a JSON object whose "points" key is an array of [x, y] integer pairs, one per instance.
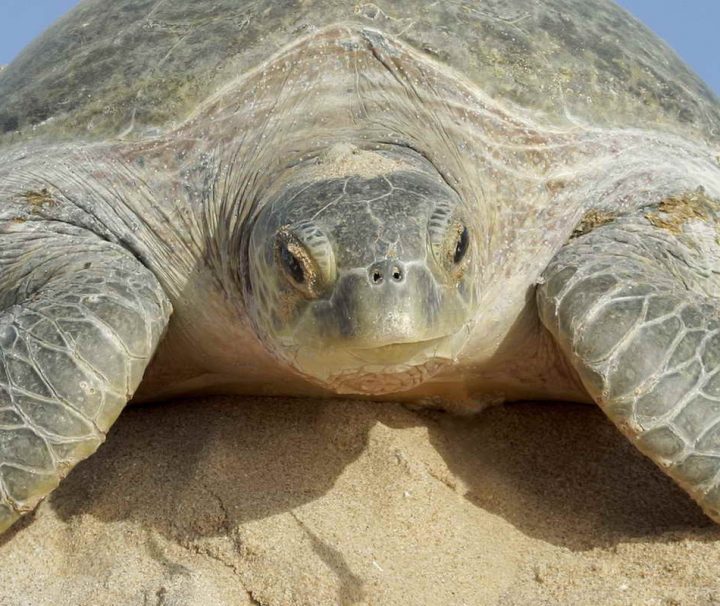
{"points": [[386, 269]]}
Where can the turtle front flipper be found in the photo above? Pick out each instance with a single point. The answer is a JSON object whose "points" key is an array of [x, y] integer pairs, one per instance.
{"points": [[80, 318], [634, 306]]}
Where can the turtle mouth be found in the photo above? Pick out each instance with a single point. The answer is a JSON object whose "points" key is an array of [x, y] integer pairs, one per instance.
{"points": [[382, 369], [394, 353], [374, 380]]}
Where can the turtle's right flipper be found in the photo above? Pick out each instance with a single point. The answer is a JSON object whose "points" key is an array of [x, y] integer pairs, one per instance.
{"points": [[632, 305], [79, 320]]}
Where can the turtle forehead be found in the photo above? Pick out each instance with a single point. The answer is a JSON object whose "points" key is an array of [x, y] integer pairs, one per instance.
{"points": [[367, 218]]}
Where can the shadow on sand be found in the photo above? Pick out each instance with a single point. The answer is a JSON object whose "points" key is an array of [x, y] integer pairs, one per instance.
{"points": [[557, 472]]}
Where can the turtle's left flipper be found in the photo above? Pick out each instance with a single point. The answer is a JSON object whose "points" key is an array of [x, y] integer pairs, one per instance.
{"points": [[634, 305], [80, 318]]}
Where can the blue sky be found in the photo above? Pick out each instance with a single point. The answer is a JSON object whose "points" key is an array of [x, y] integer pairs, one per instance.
{"points": [[689, 26]]}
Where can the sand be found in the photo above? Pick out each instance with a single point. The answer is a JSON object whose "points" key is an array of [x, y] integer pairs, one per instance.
{"points": [[233, 501]]}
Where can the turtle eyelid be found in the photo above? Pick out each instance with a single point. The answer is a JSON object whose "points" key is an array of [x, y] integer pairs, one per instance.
{"points": [[291, 264], [448, 237], [462, 245], [297, 264], [306, 257]]}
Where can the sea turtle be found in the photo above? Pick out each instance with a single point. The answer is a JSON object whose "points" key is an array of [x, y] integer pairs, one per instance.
{"points": [[450, 203]]}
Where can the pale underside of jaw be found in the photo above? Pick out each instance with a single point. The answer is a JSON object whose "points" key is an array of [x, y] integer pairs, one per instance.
{"points": [[391, 368], [396, 353]]}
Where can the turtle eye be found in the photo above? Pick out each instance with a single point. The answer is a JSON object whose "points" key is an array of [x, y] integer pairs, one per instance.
{"points": [[461, 246], [305, 258], [291, 264], [449, 239]]}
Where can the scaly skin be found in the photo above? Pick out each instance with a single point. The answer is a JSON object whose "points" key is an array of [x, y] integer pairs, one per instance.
{"points": [[77, 328], [634, 304]]}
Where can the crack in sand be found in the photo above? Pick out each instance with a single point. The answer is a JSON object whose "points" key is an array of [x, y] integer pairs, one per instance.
{"points": [[205, 552], [229, 532], [352, 587], [448, 483]]}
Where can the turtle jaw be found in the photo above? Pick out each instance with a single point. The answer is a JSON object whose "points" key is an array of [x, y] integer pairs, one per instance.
{"points": [[374, 371], [376, 381], [395, 352], [369, 342]]}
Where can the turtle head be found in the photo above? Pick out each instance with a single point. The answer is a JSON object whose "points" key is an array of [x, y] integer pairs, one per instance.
{"points": [[363, 272]]}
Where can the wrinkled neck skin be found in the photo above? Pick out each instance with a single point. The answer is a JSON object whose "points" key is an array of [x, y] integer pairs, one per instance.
{"points": [[185, 203]]}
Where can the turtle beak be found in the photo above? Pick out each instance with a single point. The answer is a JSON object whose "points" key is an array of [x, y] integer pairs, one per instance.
{"points": [[387, 304]]}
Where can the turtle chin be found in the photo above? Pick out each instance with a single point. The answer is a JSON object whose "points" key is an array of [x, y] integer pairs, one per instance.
{"points": [[381, 370]]}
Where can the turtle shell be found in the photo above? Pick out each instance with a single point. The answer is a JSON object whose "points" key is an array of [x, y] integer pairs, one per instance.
{"points": [[129, 68]]}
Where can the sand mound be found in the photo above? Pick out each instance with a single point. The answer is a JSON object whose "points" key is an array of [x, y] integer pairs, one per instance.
{"points": [[281, 502]]}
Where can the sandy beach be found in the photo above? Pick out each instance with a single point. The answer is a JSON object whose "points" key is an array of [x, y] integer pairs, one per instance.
{"points": [[231, 501]]}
